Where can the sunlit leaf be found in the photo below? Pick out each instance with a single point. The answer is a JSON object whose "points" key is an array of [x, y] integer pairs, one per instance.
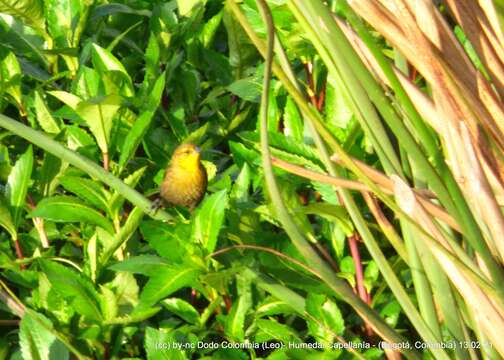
{"points": [[69, 209], [327, 318], [99, 114], [182, 309], [143, 264], [271, 329], [208, 220], [30, 11], [104, 61], [166, 281], [17, 184], [6, 219], [75, 288], [10, 75], [154, 346], [44, 116], [87, 189], [37, 338], [66, 97]]}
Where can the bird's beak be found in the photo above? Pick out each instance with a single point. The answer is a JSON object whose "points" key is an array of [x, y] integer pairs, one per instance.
{"points": [[198, 149]]}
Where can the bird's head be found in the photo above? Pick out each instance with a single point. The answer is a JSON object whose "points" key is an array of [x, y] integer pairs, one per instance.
{"points": [[187, 156]]}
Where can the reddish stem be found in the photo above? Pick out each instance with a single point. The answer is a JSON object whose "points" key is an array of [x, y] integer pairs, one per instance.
{"points": [[322, 95], [106, 161], [318, 103], [359, 275], [194, 295], [9, 322], [227, 303], [311, 85], [19, 252], [413, 72]]}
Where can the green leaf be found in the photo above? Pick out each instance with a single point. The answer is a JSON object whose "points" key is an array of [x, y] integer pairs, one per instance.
{"points": [[91, 253], [328, 316], [331, 212], [210, 29], [217, 66], [273, 306], [17, 184], [235, 320], [109, 303], [272, 329], [10, 75], [75, 288], [52, 301], [126, 289], [339, 114], [209, 219], [6, 219], [151, 60], [104, 61], [371, 273], [185, 7], [177, 121], [135, 136], [87, 83], [98, 113], [241, 187], [286, 148], [37, 339], [165, 282], [191, 84], [5, 165], [391, 312], [347, 265], [44, 117], [69, 209], [249, 89], [182, 309], [87, 189], [293, 123], [66, 97], [117, 200], [26, 42], [29, 11], [156, 92], [78, 138], [116, 8], [60, 16], [48, 174], [169, 240], [241, 50], [122, 36], [147, 265], [138, 316], [154, 339]]}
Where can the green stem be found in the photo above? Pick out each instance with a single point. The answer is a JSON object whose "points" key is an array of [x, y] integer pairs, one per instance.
{"points": [[79, 161], [442, 182], [123, 235], [325, 273]]}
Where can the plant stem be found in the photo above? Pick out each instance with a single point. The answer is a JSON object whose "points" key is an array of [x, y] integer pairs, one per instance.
{"points": [[79, 161]]}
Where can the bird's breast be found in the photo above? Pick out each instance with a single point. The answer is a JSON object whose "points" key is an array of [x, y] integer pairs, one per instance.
{"points": [[184, 187]]}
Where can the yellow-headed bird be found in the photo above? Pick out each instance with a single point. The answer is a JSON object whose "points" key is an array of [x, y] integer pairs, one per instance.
{"points": [[185, 180]]}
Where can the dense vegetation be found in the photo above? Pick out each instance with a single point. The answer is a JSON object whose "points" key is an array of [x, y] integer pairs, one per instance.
{"points": [[355, 182]]}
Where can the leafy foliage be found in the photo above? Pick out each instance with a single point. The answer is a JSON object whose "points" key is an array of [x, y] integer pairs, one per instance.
{"points": [[94, 271]]}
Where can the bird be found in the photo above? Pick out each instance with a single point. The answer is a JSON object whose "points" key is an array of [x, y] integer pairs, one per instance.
{"points": [[185, 180]]}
